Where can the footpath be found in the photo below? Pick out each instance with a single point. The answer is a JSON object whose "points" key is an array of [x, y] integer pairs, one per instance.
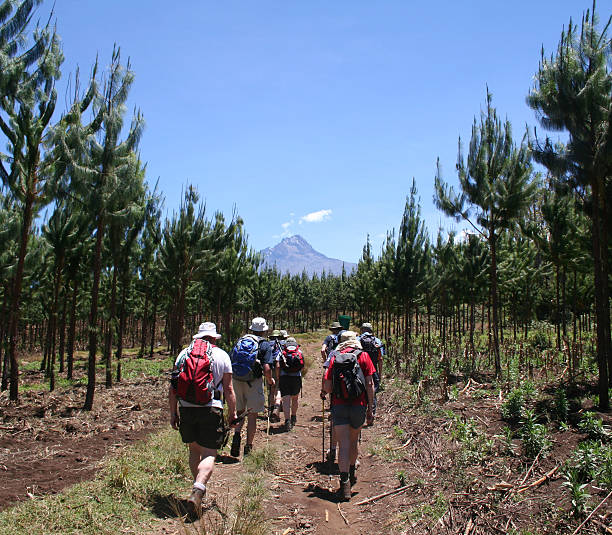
{"points": [[302, 490]]}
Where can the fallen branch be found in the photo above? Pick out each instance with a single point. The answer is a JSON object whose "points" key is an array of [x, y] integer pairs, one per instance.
{"points": [[538, 482], [468, 527], [342, 515], [530, 468], [466, 386], [592, 513], [384, 495]]}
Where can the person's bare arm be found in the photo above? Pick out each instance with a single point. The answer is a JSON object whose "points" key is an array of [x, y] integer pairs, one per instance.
{"points": [[370, 394], [268, 375], [324, 352], [230, 397], [327, 386]]}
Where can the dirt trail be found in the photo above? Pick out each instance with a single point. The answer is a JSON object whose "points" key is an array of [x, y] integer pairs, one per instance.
{"points": [[302, 498]]}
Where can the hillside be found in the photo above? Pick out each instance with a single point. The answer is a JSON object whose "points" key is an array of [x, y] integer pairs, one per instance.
{"points": [[295, 254]]}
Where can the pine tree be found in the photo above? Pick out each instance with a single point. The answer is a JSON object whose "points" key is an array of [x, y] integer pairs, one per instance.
{"points": [[573, 93], [495, 190]]}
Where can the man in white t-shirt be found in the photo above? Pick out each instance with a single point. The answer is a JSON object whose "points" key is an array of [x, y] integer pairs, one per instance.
{"points": [[202, 427]]}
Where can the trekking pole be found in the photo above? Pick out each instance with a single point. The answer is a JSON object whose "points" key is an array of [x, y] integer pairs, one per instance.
{"points": [[323, 435], [268, 413], [331, 431]]}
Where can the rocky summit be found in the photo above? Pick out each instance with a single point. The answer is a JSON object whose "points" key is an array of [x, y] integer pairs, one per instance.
{"points": [[295, 254]]}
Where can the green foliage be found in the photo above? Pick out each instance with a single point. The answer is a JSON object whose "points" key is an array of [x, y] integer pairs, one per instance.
{"points": [[561, 407], [534, 436], [594, 427], [512, 409], [475, 445], [579, 496]]}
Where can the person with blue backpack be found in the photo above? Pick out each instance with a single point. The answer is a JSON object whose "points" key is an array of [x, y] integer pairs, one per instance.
{"points": [[252, 359], [375, 349]]}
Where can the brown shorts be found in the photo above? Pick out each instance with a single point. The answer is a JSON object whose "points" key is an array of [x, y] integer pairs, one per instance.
{"points": [[204, 425]]}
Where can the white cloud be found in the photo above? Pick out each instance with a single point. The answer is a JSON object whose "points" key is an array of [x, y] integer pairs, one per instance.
{"points": [[316, 217]]}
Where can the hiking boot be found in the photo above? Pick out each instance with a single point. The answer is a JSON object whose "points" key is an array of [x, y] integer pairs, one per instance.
{"points": [[194, 502], [275, 414], [235, 450], [330, 456], [247, 449], [345, 490], [287, 425]]}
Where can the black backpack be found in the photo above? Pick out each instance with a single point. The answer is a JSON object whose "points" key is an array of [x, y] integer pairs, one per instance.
{"points": [[371, 346], [348, 381]]}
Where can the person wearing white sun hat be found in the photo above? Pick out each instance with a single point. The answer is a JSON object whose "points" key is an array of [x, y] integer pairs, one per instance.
{"points": [[252, 358], [199, 417]]}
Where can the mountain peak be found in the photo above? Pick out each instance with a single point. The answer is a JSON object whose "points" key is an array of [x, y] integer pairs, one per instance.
{"points": [[294, 255]]}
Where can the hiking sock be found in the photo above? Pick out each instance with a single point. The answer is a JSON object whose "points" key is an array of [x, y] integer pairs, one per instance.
{"points": [[293, 419], [199, 486], [344, 476]]}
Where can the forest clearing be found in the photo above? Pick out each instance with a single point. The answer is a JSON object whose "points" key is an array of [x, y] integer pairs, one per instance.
{"points": [[457, 466], [494, 413]]}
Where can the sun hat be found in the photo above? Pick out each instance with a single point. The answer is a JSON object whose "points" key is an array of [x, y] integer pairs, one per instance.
{"points": [[348, 339], [335, 325], [283, 333], [208, 328], [258, 325], [291, 340], [275, 334], [366, 327]]}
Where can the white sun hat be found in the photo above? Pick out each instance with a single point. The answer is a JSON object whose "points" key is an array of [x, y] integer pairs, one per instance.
{"points": [[208, 328], [258, 325]]}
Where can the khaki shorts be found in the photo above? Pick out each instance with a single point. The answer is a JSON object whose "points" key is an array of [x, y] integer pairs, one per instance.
{"points": [[249, 397]]}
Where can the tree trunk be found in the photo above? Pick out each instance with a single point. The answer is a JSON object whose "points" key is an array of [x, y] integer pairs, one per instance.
{"points": [[16, 295], [93, 317]]}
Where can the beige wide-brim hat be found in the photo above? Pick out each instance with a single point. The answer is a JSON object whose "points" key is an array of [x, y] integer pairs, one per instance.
{"points": [[258, 325], [208, 328], [348, 339]]}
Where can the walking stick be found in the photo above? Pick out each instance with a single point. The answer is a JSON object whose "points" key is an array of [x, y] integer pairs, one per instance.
{"points": [[323, 434], [331, 432]]}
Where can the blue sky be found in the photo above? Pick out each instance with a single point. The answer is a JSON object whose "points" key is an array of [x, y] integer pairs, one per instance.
{"points": [[313, 117]]}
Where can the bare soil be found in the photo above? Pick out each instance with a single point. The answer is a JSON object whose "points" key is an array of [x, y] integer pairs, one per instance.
{"points": [[47, 443]]}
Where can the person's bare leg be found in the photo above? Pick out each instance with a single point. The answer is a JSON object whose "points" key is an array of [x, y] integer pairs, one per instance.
{"points": [[294, 405], [201, 462], [251, 427], [286, 406], [344, 446]]}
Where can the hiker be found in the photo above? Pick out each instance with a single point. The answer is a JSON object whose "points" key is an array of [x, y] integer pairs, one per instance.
{"points": [[200, 409], [349, 381], [329, 344], [274, 395], [289, 369], [374, 347], [251, 360], [331, 340]]}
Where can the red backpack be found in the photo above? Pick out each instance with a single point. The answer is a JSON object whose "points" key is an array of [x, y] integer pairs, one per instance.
{"points": [[292, 359], [195, 382]]}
